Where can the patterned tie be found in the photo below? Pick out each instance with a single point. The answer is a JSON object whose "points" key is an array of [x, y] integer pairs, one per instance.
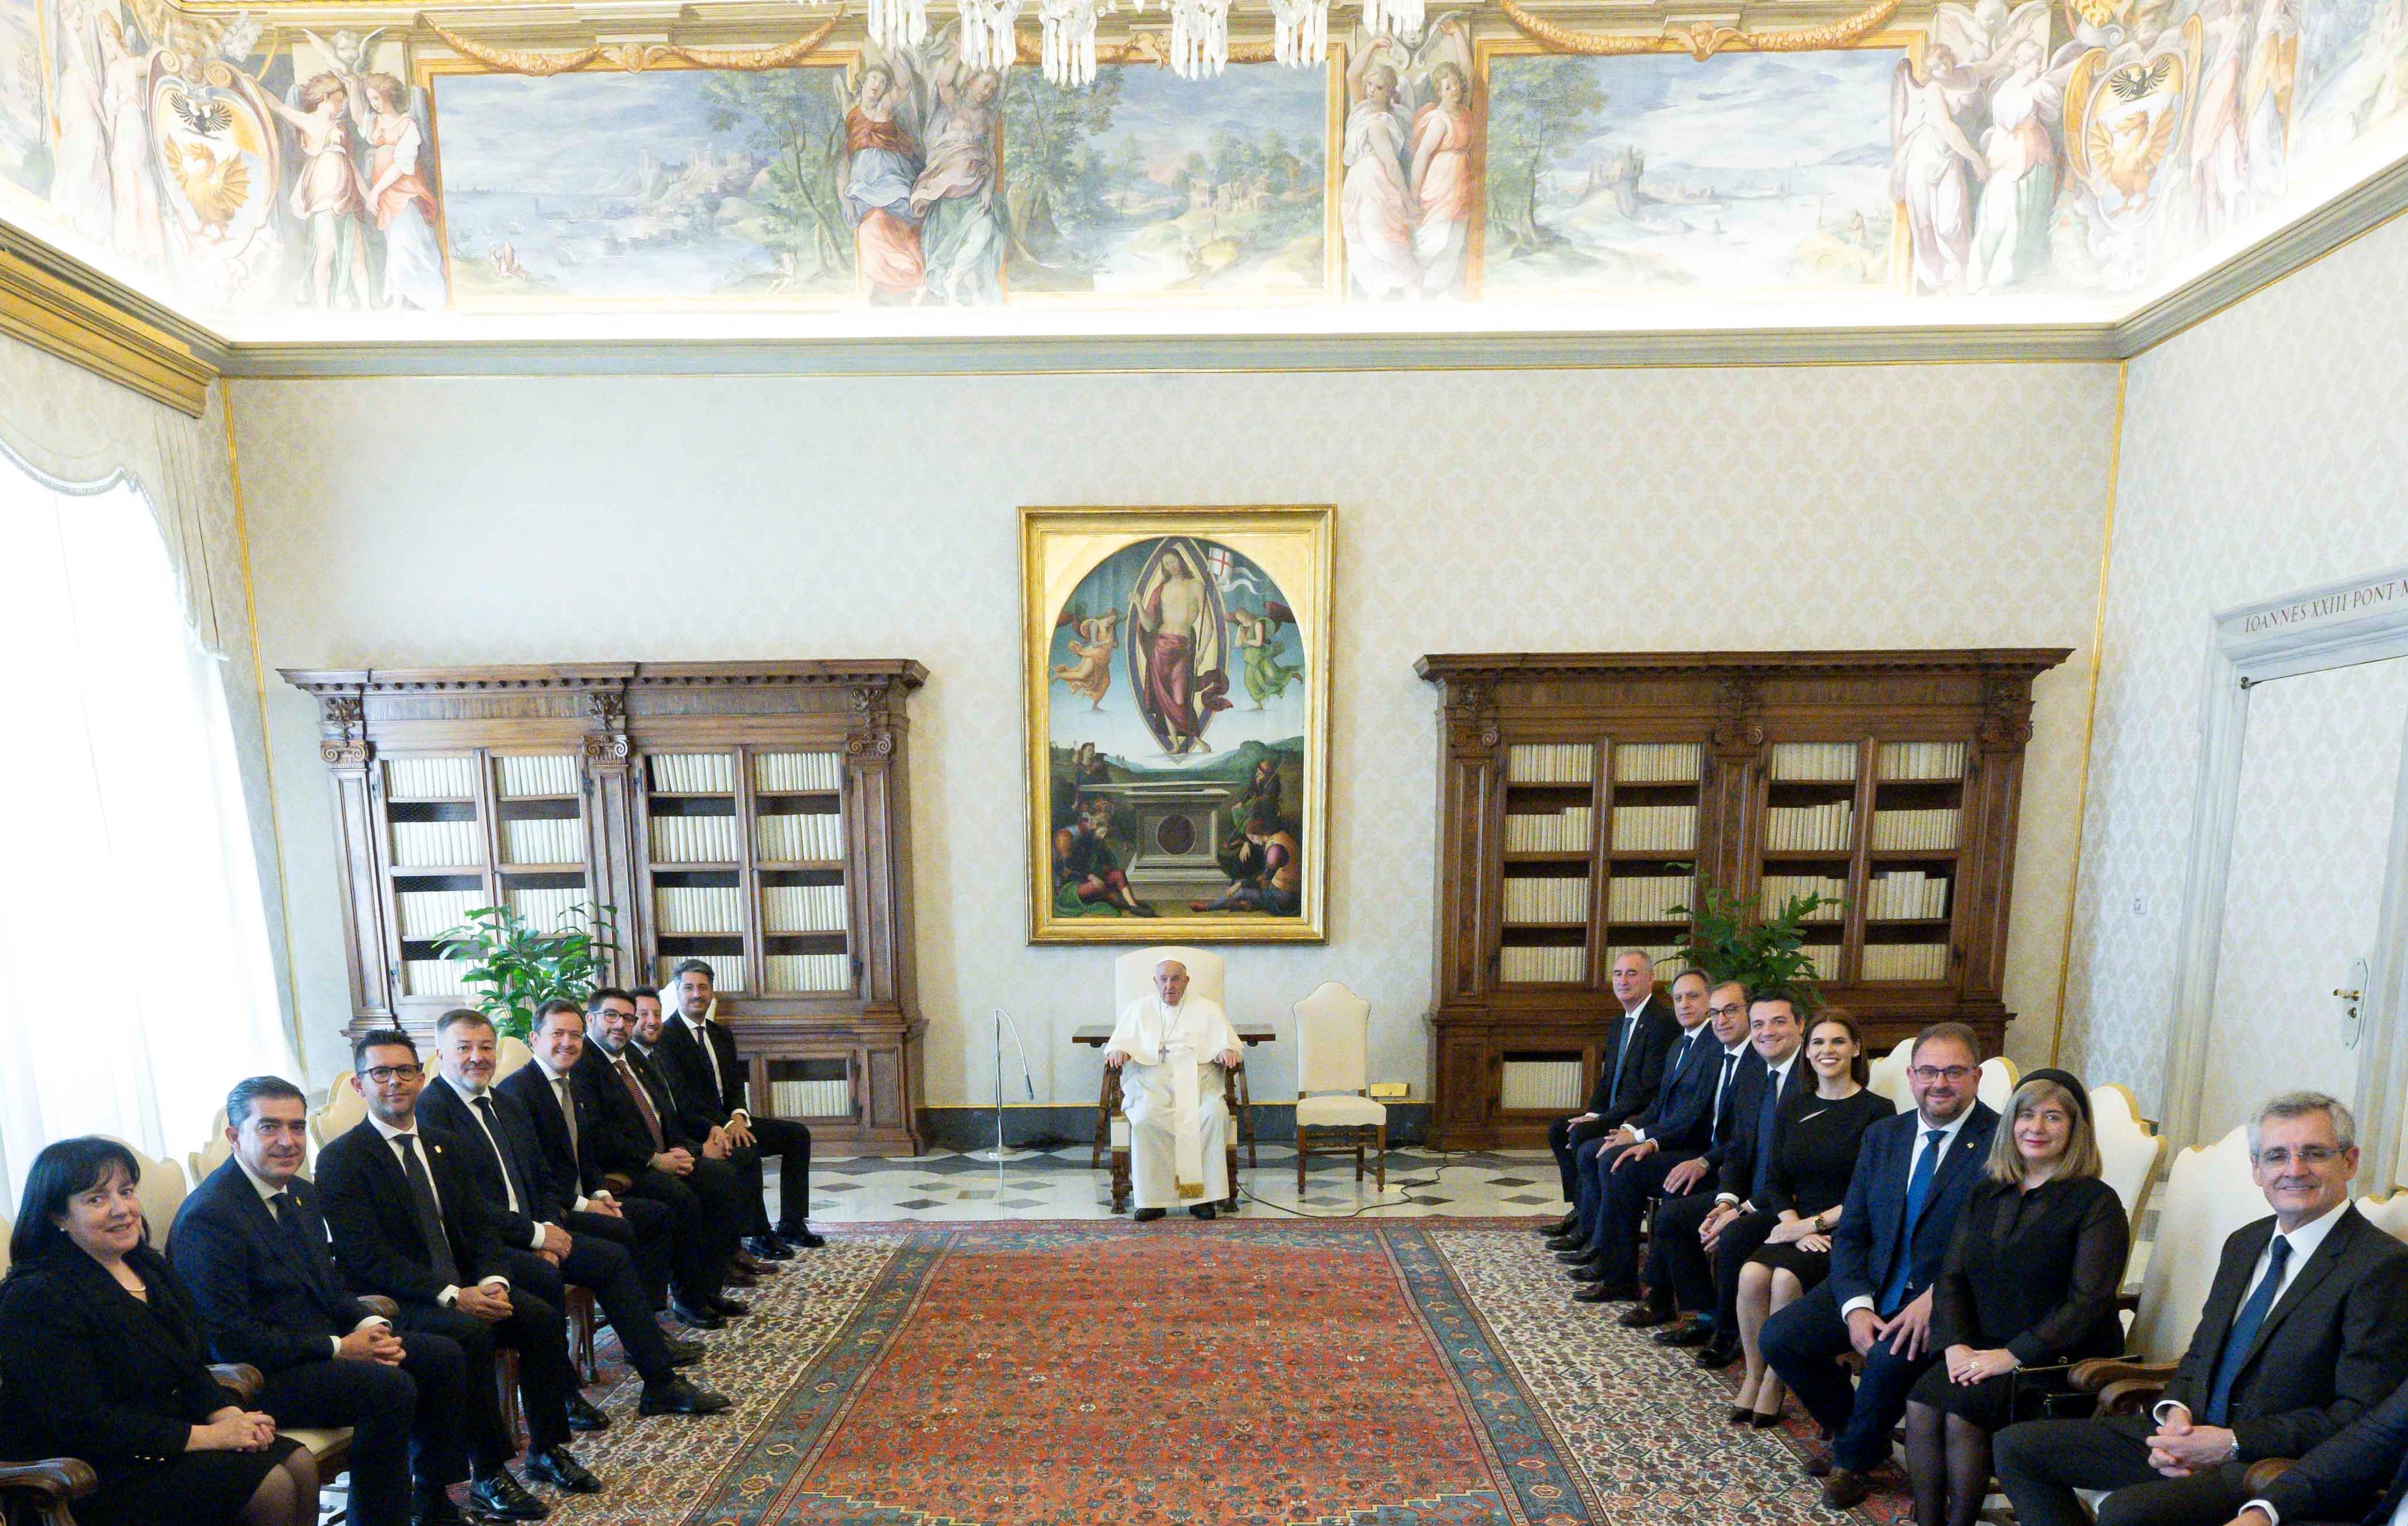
{"points": [[486, 1115], [643, 1102], [1918, 1186], [2245, 1326], [429, 1213]]}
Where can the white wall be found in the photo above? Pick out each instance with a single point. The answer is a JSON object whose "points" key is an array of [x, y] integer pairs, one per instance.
{"points": [[2263, 451], [442, 521]]}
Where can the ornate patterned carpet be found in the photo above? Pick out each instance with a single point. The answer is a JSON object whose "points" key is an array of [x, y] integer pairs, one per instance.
{"points": [[1237, 1374]]}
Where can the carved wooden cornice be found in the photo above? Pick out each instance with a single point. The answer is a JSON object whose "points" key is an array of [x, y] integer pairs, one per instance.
{"points": [[1453, 668], [879, 674]]}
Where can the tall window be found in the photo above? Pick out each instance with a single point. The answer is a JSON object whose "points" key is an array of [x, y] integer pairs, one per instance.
{"points": [[133, 934]]}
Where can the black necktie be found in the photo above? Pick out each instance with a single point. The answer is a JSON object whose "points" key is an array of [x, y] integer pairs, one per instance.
{"points": [[430, 1216], [1723, 1089], [288, 1219], [519, 1201], [1622, 1060], [711, 1052]]}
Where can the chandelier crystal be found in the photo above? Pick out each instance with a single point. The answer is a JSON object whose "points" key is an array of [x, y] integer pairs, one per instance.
{"points": [[1302, 34], [1396, 17], [986, 32], [1200, 37], [1069, 40], [898, 23]]}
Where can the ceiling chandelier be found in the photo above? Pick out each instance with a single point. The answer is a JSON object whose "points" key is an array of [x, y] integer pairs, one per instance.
{"points": [[1069, 52], [1301, 30], [986, 31], [1396, 18], [1200, 37], [898, 23]]}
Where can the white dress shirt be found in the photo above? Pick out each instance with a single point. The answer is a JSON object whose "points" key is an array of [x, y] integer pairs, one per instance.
{"points": [[1923, 1141], [1777, 1078], [701, 1035], [471, 1094], [1671, 1061], [563, 1093], [268, 1193], [450, 1296], [2306, 1241]]}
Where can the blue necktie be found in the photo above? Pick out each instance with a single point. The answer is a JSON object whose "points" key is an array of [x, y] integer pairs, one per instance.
{"points": [[1768, 1115], [1918, 1186], [1621, 1060], [2245, 1325]]}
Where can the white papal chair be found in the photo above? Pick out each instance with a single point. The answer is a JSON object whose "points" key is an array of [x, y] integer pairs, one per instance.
{"points": [[2128, 1147], [509, 1055], [2388, 1213], [162, 1191], [1333, 1035], [345, 1108], [1133, 978], [212, 1154], [1888, 1078]]}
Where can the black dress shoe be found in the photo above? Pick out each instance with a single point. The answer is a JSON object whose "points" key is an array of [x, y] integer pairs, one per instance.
{"points": [[556, 1466], [1718, 1354], [683, 1352], [1819, 1465], [768, 1247], [504, 1498], [1645, 1316], [1569, 1240], [1577, 1256], [582, 1416], [739, 1277], [1203, 1210], [803, 1239], [1845, 1490], [1695, 1332], [1561, 1226], [435, 1510], [692, 1317], [730, 1307], [1147, 1215], [1594, 1293], [1587, 1271], [676, 1396]]}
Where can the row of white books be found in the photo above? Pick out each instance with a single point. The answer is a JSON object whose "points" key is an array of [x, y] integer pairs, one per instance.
{"points": [[1668, 959], [1540, 1085], [1517, 964], [1528, 901], [1654, 829], [1780, 889], [1920, 761], [1658, 762], [434, 977], [543, 774], [726, 970], [694, 773], [804, 908], [1829, 762], [1829, 828], [1906, 893], [1825, 958], [778, 773], [430, 914], [695, 839], [810, 972], [544, 839], [812, 1099], [1906, 961], [699, 908], [1915, 830], [430, 778], [1648, 898], [1551, 763], [1553, 832], [437, 845], [784, 839], [546, 907]]}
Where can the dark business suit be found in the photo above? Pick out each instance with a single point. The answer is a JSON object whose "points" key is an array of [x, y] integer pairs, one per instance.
{"points": [[600, 1266], [705, 1201], [1870, 1246], [1755, 1132], [367, 1203], [571, 1175], [2331, 1349], [1626, 1083], [710, 1079], [2359, 1474], [1678, 1119], [268, 1296]]}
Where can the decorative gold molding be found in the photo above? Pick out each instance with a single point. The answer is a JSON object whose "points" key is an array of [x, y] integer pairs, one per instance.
{"points": [[633, 57], [63, 309], [1701, 40]]}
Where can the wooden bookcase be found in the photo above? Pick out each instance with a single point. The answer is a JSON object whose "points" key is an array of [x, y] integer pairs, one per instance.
{"points": [[1583, 796], [752, 814]]}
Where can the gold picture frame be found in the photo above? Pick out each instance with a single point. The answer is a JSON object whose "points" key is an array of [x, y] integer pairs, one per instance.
{"points": [[1175, 663]]}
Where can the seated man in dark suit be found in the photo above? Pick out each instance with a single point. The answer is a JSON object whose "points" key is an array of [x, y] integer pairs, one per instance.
{"points": [[409, 1222], [2301, 1335], [543, 1257], [712, 1141], [1912, 1175], [636, 1139], [2359, 1476], [1686, 1226], [251, 1249], [1627, 1081], [702, 1052]]}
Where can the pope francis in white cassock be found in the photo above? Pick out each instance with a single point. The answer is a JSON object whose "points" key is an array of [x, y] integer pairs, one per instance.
{"points": [[1173, 1052]]}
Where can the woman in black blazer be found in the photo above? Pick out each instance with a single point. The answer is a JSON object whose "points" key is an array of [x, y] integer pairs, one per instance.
{"points": [[101, 1359], [2029, 1283]]}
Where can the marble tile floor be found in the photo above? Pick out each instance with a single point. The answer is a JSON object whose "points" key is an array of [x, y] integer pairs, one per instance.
{"points": [[1060, 1184]]}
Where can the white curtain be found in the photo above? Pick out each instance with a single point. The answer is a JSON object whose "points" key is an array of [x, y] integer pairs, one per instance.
{"points": [[130, 907]]}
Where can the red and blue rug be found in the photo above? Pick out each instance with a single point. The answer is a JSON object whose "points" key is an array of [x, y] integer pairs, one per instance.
{"points": [[1244, 1373]]}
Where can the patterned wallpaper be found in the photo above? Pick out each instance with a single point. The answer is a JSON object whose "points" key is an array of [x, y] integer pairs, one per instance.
{"points": [[2262, 451], [434, 521]]}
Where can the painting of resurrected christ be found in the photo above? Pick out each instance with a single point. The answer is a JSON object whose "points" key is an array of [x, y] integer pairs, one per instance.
{"points": [[1178, 723]]}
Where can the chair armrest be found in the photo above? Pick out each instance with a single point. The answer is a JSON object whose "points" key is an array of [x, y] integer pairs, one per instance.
{"points": [[377, 1303], [2096, 1373], [2129, 1302], [2130, 1395], [53, 1477], [617, 1183], [2263, 1473], [238, 1378]]}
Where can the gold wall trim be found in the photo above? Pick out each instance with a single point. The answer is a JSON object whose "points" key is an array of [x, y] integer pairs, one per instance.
{"points": [[66, 309]]}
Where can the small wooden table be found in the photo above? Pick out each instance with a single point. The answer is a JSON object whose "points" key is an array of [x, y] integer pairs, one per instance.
{"points": [[1241, 1112]]}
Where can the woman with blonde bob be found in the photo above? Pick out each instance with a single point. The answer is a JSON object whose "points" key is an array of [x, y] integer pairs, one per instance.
{"points": [[2029, 1286]]}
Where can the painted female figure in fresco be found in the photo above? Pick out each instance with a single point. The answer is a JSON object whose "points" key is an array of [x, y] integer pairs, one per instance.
{"points": [[2218, 170], [2266, 99], [80, 180], [962, 239], [1374, 206], [328, 197], [135, 231], [398, 197], [882, 163], [1927, 170], [1442, 179], [2019, 191]]}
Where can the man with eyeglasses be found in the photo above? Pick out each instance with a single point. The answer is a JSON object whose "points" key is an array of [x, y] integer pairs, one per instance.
{"points": [[407, 1222], [1912, 1175], [2302, 1334]]}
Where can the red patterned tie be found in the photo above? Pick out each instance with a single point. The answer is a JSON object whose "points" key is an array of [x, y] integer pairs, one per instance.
{"points": [[643, 1102]]}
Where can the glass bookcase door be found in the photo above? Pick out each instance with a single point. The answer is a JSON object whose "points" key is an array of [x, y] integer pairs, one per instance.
{"points": [[800, 854], [697, 865], [1908, 893], [1549, 864], [439, 861], [1652, 866]]}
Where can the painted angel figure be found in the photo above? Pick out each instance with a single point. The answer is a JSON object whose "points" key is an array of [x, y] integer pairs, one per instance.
{"points": [[962, 233], [1374, 204], [81, 193], [881, 147], [1438, 179], [2266, 99], [1257, 643], [1932, 159], [2219, 166], [397, 195], [2007, 52], [1092, 642], [137, 230], [328, 197]]}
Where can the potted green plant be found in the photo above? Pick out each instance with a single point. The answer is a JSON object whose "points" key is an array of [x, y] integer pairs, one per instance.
{"points": [[1732, 939], [517, 967]]}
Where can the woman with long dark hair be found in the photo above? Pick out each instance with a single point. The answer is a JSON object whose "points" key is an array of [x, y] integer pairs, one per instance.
{"points": [[101, 1358]]}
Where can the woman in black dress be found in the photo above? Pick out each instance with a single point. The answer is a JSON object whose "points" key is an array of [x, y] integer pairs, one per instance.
{"points": [[1787, 1251], [2029, 1284], [100, 1359]]}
